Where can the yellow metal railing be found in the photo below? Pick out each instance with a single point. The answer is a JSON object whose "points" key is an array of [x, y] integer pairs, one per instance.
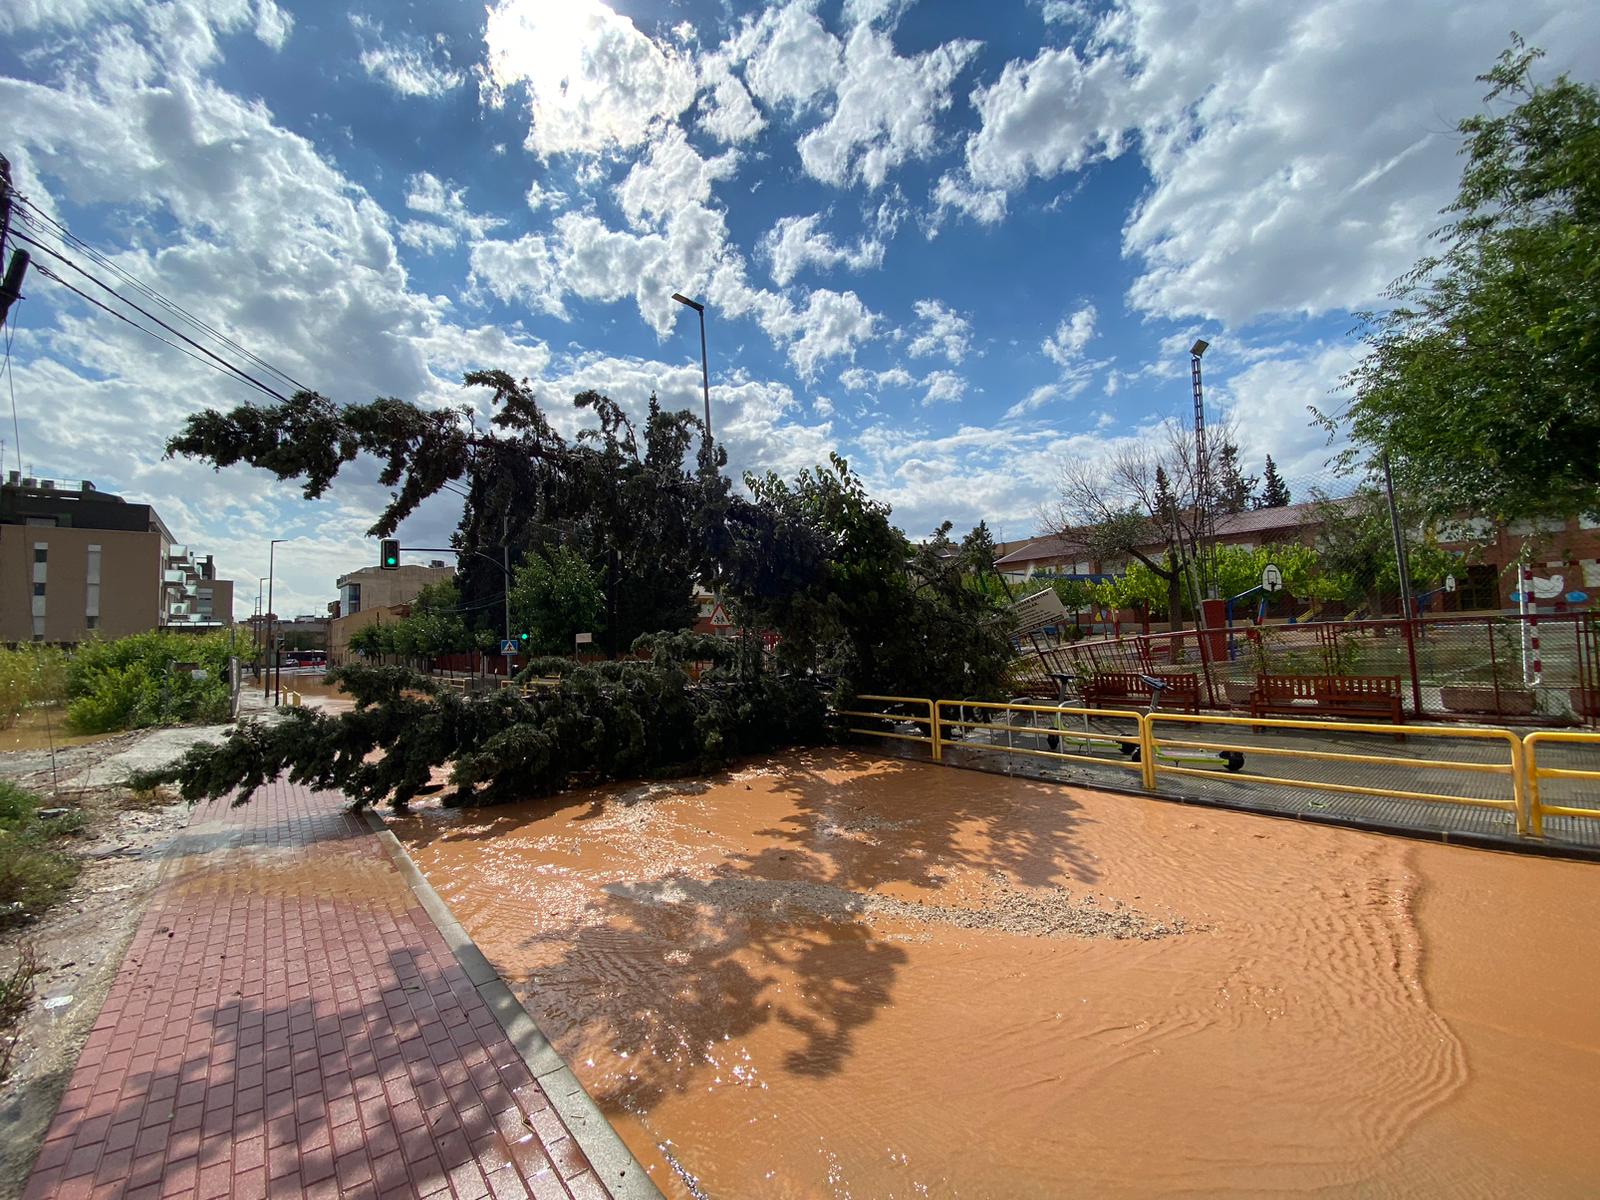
{"points": [[1093, 745], [1512, 767], [1158, 755], [1537, 808], [930, 739]]}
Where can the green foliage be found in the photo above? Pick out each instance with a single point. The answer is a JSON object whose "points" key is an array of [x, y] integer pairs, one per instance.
{"points": [[611, 720], [1355, 547], [555, 596], [30, 674], [868, 609], [1233, 491], [433, 626], [1274, 491], [129, 683], [33, 872], [1483, 381]]}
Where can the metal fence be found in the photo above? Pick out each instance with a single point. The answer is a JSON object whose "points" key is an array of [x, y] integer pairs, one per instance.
{"points": [[1450, 667], [1459, 778]]}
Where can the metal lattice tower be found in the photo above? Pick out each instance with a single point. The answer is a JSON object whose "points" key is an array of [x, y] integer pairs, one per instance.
{"points": [[1205, 526]]}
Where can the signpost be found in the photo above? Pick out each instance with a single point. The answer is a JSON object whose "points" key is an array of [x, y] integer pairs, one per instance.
{"points": [[584, 639], [1037, 611], [508, 647]]}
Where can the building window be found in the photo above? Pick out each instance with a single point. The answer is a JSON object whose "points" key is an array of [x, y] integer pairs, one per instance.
{"points": [[91, 592], [92, 621], [41, 553], [38, 589]]}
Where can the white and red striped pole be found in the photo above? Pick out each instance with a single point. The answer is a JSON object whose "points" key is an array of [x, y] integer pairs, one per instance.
{"points": [[1532, 666]]}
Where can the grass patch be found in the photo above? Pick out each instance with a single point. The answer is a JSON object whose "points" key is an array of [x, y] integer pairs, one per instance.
{"points": [[34, 872]]}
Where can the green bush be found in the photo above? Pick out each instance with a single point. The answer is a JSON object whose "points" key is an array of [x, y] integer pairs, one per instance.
{"points": [[30, 675], [130, 684], [33, 873]]}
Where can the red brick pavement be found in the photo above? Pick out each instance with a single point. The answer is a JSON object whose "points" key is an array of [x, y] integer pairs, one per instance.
{"points": [[289, 1022]]}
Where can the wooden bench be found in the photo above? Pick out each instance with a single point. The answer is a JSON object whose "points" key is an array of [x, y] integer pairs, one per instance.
{"points": [[1127, 689], [1365, 697]]}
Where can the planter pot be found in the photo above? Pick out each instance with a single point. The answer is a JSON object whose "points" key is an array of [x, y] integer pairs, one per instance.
{"points": [[1513, 702], [1239, 693]]}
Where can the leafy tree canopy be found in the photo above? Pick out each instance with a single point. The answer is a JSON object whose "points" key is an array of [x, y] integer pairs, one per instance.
{"points": [[1482, 381]]}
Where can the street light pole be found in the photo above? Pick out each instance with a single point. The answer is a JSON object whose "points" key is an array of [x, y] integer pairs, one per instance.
{"points": [[705, 370], [266, 678]]}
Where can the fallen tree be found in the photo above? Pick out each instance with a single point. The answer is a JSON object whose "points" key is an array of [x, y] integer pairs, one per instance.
{"points": [[849, 602]]}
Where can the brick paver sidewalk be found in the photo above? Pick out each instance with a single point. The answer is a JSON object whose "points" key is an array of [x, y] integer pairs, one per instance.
{"points": [[289, 1021]]}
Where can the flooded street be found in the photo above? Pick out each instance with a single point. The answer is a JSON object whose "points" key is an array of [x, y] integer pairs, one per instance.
{"points": [[835, 975]]}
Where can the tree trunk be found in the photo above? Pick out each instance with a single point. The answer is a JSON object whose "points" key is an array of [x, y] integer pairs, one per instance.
{"points": [[1175, 601]]}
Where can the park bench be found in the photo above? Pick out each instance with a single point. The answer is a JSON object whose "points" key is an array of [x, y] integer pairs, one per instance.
{"points": [[1364, 697], [1127, 689]]}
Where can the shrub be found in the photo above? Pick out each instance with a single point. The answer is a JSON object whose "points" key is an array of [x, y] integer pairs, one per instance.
{"points": [[130, 684], [30, 675], [33, 874]]}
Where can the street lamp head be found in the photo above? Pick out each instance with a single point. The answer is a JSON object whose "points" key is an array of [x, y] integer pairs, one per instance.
{"points": [[694, 304], [1200, 347]]}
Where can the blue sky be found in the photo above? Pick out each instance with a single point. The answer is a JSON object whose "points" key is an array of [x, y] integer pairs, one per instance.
{"points": [[959, 243]]}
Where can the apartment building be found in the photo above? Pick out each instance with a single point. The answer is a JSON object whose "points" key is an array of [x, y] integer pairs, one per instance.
{"points": [[77, 562], [374, 587]]}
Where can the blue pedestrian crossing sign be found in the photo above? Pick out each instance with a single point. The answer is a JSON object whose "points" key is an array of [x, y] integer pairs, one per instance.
{"points": [[508, 647]]}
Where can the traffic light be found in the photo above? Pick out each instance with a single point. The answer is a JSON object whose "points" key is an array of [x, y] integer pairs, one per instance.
{"points": [[389, 554], [523, 636]]}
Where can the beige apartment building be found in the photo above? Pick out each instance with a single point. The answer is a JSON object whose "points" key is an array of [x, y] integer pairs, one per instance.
{"points": [[76, 562], [373, 587]]}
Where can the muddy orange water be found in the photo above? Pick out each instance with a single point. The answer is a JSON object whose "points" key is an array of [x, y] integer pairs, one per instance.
{"points": [[833, 975]]}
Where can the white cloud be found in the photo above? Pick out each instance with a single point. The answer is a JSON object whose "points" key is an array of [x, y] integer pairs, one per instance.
{"points": [[1300, 154], [943, 387], [987, 206], [792, 56], [672, 176], [1065, 347], [859, 379], [540, 196], [411, 65], [1270, 401], [1048, 115], [944, 331], [427, 237], [728, 112], [832, 325], [1036, 399], [524, 271], [794, 243], [427, 193], [885, 109], [593, 80]]}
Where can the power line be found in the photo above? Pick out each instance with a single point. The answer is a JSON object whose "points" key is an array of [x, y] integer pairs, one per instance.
{"points": [[225, 369], [38, 220], [225, 364]]}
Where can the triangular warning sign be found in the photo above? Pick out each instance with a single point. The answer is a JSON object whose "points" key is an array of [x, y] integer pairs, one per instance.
{"points": [[719, 617]]}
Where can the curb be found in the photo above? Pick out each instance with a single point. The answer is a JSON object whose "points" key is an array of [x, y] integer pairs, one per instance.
{"points": [[1476, 841], [613, 1162]]}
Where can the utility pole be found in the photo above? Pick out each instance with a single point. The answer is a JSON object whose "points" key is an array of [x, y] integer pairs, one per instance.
{"points": [[11, 287]]}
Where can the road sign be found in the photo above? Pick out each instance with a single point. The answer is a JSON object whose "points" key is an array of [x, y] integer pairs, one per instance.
{"points": [[719, 617], [585, 639], [1272, 578], [1038, 610], [1449, 583], [508, 647]]}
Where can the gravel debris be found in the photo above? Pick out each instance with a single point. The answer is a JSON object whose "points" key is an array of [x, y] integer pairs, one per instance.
{"points": [[1006, 907]]}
